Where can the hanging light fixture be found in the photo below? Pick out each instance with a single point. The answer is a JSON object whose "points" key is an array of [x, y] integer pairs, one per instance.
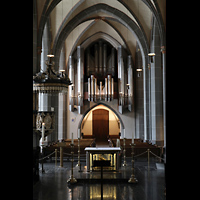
{"points": [[51, 81], [151, 54], [139, 72]]}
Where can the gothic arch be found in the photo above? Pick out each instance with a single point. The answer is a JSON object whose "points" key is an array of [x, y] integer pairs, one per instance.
{"points": [[118, 16], [86, 112], [96, 36]]}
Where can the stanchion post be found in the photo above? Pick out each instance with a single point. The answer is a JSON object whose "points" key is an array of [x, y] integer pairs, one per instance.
{"points": [[79, 151], [56, 152], [61, 156], [132, 178], [72, 180], [124, 164], [43, 171]]}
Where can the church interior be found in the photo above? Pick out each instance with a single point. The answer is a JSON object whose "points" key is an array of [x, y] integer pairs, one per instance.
{"points": [[99, 99]]}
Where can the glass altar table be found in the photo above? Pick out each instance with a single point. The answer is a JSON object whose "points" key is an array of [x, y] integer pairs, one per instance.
{"points": [[102, 153]]}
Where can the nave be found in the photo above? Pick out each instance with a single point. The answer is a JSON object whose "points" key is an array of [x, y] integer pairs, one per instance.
{"points": [[53, 183]]}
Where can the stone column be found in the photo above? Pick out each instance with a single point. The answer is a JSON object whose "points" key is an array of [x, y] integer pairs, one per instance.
{"points": [[62, 116], [80, 70], [71, 87], [156, 101], [120, 79], [130, 82], [163, 50]]}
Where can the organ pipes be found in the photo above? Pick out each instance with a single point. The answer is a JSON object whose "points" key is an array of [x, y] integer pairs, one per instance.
{"points": [[109, 87], [105, 89], [100, 57], [89, 95], [104, 59], [100, 92], [130, 82]]}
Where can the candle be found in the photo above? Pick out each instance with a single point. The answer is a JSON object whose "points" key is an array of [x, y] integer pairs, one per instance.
{"points": [[79, 133], [124, 133], [43, 132], [132, 137], [72, 142]]}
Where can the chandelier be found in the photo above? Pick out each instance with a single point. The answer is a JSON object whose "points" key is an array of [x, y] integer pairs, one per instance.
{"points": [[50, 81]]}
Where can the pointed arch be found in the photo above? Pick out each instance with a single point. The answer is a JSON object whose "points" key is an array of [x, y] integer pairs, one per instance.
{"points": [[119, 16], [113, 110]]}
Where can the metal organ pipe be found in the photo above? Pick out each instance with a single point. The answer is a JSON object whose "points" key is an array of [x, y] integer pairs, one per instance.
{"points": [[100, 91], [104, 58], [88, 89], [95, 90], [105, 88], [92, 87], [113, 62], [100, 57], [112, 89], [109, 87], [96, 62]]}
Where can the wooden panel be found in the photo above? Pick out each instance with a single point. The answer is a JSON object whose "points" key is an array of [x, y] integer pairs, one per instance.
{"points": [[100, 124]]}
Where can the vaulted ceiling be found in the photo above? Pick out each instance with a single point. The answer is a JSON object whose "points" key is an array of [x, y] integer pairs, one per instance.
{"points": [[72, 22]]}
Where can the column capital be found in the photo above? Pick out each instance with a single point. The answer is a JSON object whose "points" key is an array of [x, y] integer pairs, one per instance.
{"points": [[163, 49]]}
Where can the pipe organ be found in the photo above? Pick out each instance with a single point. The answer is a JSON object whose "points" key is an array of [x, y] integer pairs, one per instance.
{"points": [[100, 92], [95, 78]]}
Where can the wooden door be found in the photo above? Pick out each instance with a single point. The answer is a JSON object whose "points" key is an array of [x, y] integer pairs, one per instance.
{"points": [[100, 124]]}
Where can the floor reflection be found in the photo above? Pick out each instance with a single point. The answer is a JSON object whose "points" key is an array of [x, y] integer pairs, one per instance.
{"points": [[53, 185]]}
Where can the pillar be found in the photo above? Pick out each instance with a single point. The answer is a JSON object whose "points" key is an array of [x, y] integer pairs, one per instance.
{"points": [[139, 95], [80, 70], [120, 79], [163, 50], [71, 87], [156, 90], [62, 116], [130, 82]]}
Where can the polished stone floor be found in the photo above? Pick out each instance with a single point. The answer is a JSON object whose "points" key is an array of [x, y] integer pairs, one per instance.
{"points": [[53, 183]]}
